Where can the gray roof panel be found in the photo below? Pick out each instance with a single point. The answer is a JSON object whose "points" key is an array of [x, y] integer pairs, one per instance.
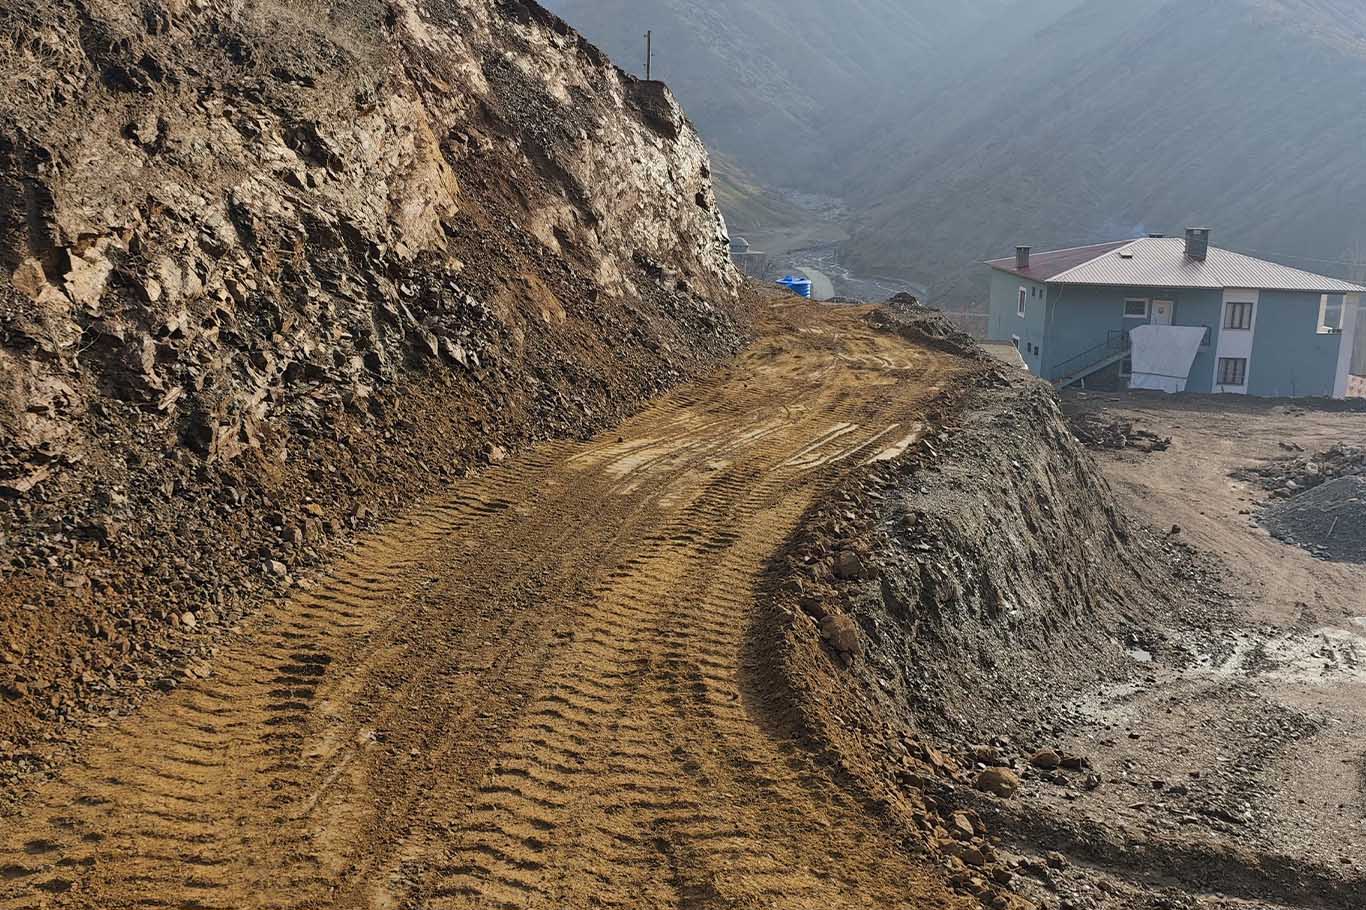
{"points": [[1043, 266], [1161, 262]]}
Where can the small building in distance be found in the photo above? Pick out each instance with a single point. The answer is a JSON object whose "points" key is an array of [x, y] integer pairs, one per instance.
{"points": [[1176, 314], [753, 263]]}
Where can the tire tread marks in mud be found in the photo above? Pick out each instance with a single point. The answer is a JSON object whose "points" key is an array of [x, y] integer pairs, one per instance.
{"points": [[530, 693]]}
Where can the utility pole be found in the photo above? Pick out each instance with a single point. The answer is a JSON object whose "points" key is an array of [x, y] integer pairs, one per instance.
{"points": [[649, 53]]}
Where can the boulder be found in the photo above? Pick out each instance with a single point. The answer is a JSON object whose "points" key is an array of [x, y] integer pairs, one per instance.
{"points": [[998, 781], [841, 633], [850, 566], [1046, 759]]}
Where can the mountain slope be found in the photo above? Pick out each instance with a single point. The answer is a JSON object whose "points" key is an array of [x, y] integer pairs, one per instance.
{"points": [[955, 131], [776, 83], [1241, 115]]}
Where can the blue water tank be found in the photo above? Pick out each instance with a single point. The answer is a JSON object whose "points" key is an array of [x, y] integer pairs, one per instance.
{"points": [[799, 286]]}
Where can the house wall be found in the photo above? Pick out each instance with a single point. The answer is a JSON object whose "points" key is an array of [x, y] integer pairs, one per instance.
{"points": [[1359, 353], [1290, 359], [1004, 323], [1237, 343], [1081, 318]]}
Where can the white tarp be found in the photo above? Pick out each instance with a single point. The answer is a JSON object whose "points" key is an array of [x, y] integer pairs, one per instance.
{"points": [[1163, 355]]}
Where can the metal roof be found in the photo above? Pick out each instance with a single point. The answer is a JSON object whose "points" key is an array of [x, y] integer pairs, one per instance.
{"points": [[1161, 262], [1043, 266]]}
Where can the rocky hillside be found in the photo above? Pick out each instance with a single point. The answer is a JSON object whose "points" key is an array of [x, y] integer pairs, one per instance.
{"points": [[273, 269]]}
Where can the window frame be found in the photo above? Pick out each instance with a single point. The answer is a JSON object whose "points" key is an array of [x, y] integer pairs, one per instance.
{"points": [[1221, 372], [1022, 303], [1147, 307], [1323, 327], [1243, 307]]}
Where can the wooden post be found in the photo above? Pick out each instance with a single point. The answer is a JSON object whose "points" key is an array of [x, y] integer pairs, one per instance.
{"points": [[649, 53]]}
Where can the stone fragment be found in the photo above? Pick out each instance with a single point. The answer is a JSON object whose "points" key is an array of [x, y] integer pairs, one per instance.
{"points": [[30, 278], [1046, 759], [850, 566], [86, 278], [999, 781], [841, 633]]}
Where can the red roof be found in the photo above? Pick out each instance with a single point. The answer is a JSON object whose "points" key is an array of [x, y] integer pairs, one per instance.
{"points": [[1043, 266]]}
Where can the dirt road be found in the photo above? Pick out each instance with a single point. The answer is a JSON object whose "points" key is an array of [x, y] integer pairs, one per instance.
{"points": [[535, 691]]}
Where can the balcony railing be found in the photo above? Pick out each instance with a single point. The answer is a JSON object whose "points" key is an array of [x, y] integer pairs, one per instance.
{"points": [[1116, 342]]}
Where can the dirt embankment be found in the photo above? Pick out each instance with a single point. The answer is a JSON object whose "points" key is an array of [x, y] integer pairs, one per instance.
{"points": [[270, 270], [943, 608]]}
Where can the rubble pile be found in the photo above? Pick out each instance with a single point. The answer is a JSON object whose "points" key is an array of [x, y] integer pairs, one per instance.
{"points": [[1097, 431], [1296, 474], [1328, 519], [269, 273], [905, 315]]}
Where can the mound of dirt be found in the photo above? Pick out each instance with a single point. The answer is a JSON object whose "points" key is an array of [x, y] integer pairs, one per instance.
{"points": [[1329, 520], [273, 271], [906, 316], [945, 604]]}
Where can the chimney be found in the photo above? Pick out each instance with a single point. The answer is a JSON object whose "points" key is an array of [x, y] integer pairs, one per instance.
{"points": [[1197, 243], [1022, 258]]}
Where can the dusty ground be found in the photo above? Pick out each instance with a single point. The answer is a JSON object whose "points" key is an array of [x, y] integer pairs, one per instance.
{"points": [[1190, 486], [535, 691], [1232, 768]]}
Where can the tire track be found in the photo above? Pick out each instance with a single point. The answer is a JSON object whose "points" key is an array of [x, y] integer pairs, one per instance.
{"points": [[528, 693]]}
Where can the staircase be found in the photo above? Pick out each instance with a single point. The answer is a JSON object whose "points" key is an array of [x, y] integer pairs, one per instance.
{"points": [[1089, 362]]}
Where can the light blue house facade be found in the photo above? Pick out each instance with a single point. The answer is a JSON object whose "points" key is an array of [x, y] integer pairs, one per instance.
{"points": [[1266, 329]]}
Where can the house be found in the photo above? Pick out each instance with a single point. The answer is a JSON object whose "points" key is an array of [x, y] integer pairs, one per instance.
{"points": [[1211, 320]]}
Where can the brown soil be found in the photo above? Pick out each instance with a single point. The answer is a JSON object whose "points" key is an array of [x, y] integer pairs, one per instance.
{"points": [[536, 690], [1192, 486]]}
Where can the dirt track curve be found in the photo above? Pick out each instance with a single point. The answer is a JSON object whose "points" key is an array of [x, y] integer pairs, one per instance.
{"points": [[533, 692]]}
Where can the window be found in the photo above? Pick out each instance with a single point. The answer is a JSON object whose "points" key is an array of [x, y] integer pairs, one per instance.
{"points": [[1238, 316], [1331, 309], [1135, 309], [1024, 302], [1233, 371]]}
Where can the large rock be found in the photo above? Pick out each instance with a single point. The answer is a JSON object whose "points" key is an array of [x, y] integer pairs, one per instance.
{"points": [[841, 633], [999, 781]]}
